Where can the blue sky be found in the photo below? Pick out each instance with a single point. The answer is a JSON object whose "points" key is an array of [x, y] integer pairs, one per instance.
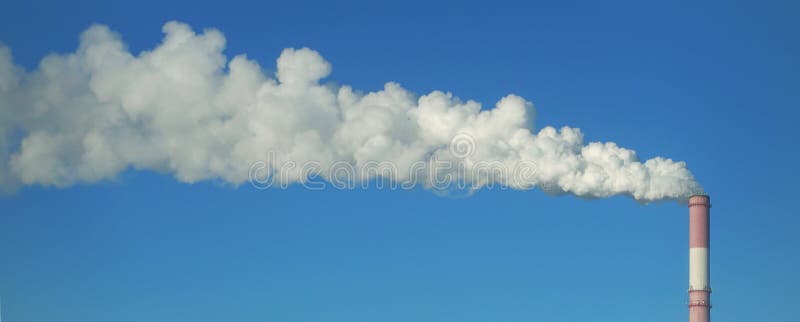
{"points": [[713, 84]]}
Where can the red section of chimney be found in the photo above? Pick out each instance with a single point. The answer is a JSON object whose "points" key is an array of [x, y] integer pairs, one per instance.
{"points": [[698, 221]]}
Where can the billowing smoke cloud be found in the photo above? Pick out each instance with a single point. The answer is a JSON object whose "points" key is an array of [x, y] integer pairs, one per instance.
{"points": [[184, 108]]}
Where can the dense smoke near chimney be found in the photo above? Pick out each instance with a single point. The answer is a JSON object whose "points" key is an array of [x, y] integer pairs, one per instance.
{"points": [[183, 108]]}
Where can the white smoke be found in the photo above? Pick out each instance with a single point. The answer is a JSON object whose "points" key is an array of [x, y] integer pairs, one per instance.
{"points": [[184, 109]]}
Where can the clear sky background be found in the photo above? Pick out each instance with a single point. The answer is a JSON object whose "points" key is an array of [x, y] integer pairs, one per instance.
{"points": [[714, 84]]}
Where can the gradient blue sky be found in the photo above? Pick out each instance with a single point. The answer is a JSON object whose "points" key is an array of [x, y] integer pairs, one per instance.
{"points": [[714, 84]]}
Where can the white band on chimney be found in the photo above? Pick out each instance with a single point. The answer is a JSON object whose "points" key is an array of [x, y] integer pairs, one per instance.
{"points": [[698, 269]]}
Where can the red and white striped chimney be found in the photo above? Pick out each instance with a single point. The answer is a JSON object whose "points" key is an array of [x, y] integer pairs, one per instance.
{"points": [[699, 285]]}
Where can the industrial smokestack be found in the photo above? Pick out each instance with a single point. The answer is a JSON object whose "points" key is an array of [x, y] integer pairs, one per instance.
{"points": [[699, 285]]}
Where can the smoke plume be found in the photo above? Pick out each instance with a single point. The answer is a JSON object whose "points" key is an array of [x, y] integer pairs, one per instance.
{"points": [[183, 108]]}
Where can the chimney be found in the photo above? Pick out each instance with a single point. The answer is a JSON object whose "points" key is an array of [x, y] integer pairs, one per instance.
{"points": [[699, 285]]}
